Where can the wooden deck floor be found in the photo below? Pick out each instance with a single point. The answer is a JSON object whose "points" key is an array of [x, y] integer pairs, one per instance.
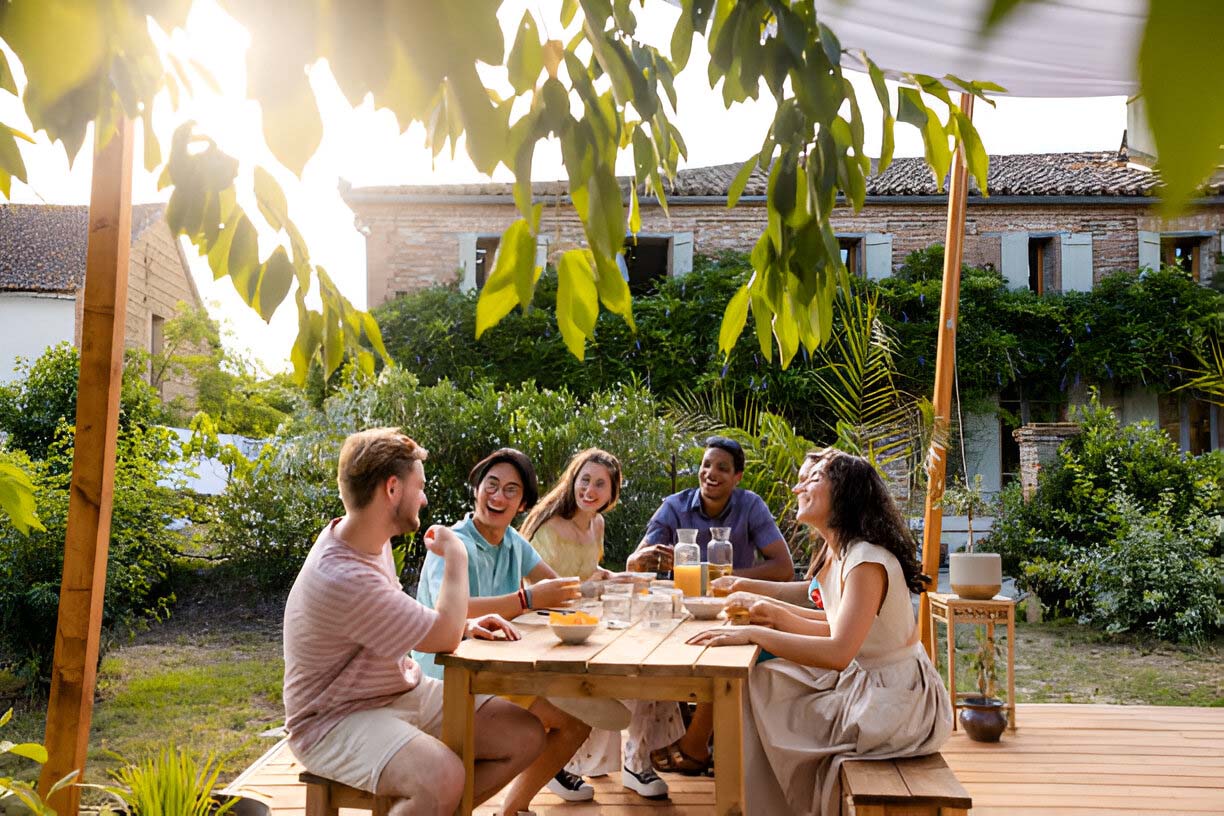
{"points": [[1077, 760]]}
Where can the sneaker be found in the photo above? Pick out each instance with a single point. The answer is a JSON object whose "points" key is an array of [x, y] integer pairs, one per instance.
{"points": [[571, 787], [646, 784]]}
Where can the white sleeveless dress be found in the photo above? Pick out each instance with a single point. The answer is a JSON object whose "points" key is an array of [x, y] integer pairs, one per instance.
{"points": [[801, 723]]}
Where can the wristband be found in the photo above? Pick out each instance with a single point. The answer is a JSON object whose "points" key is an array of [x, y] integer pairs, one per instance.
{"points": [[527, 592], [522, 598]]}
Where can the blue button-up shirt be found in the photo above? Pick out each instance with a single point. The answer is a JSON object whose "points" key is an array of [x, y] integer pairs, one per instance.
{"points": [[752, 525]]}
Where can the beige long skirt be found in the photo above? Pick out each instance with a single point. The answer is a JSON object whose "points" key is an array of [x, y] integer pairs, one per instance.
{"points": [[801, 723]]}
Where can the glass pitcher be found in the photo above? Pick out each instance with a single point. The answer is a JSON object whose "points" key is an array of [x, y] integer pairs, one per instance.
{"points": [[688, 571], [719, 553]]}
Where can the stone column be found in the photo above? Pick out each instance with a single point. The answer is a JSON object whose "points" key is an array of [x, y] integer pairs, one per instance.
{"points": [[1039, 442]]}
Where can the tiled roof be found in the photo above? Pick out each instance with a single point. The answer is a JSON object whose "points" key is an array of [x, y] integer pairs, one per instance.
{"points": [[1103, 173], [42, 246]]}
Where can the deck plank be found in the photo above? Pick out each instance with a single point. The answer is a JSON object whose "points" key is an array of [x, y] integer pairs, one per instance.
{"points": [[1063, 760]]}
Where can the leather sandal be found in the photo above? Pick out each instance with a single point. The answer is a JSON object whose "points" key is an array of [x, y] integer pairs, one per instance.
{"points": [[673, 759]]}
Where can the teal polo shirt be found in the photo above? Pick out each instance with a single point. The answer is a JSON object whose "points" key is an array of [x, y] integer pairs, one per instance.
{"points": [[492, 570]]}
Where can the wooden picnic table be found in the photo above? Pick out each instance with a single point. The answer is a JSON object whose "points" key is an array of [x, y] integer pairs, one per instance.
{"points": [[635, 663]]}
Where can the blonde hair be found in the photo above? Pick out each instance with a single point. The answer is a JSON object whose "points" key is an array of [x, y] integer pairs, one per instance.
{"points": [[368, 458], [561, 501]]}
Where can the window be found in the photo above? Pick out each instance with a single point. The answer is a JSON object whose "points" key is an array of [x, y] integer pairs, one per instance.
{"points": [[1042, 265], [852, 253], [1184, 252], [486, 251], [647, 259]]}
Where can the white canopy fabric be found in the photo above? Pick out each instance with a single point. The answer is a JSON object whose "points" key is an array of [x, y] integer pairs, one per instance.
{"points": [[1048, 48]]}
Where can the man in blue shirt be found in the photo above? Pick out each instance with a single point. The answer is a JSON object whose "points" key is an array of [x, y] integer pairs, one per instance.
{"points": [[718, 501]]}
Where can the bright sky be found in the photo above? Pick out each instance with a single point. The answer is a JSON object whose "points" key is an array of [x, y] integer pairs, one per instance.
{"points": [[365, 147]]}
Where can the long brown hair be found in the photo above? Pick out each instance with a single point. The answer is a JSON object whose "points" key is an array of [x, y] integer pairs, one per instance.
{"points": [[862, 509], [561, 501]]}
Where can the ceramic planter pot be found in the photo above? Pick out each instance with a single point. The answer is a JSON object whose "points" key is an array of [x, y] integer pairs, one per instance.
{"points": [[975, 576], [983, 718]]}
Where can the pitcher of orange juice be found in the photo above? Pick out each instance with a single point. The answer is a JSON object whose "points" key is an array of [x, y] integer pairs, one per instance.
{"points": [[688, 571]]}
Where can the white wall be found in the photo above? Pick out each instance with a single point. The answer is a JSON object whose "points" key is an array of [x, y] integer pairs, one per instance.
{"points": [[29, 323]]}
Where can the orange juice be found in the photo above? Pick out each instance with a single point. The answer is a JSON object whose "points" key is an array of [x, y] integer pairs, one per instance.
{"points": [[690, 578]]}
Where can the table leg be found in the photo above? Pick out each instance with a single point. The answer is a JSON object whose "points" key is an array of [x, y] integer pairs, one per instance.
{"points": [[458, 728], [1011, 667], [950, 624], [728, 747]]}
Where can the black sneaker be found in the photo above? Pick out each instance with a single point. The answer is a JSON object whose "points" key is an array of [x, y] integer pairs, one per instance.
{"points": [[646, 784], [571, 787]]}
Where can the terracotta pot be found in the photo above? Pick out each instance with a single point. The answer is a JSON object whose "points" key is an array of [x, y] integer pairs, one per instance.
{"points": [[983, 718], [975, 576]]}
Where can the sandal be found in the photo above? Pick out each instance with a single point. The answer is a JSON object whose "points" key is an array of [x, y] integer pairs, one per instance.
{"points": [[673, 759]]}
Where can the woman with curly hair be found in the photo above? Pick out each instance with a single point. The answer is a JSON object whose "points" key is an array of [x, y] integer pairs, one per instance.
{"points": [[855, 684]]}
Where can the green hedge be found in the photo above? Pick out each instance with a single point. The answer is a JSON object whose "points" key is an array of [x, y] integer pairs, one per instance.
{"points": [[1123, 532]]}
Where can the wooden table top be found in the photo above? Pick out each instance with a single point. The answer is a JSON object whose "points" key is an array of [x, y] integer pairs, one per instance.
{"points": [[636, 651]]}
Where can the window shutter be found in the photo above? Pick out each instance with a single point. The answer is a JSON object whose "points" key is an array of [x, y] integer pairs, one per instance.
{"points": [[1076, 261], [542, 245], [877, 250], [681, 261], [467, 261], [1013, 258], [1149, 249]]}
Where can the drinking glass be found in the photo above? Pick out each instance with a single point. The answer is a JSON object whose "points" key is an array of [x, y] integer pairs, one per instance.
{"points": [[658, 611], [675, 597], [617, 610]]}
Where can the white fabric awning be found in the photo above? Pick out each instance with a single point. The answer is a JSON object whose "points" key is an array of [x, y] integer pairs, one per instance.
{"points": [[1048, 48]]}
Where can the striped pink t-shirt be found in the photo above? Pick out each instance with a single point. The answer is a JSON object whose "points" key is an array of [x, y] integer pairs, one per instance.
{"points": [[349, 627]]}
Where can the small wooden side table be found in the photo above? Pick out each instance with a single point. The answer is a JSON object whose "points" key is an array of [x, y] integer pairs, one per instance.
{"points": [[953, 609]]}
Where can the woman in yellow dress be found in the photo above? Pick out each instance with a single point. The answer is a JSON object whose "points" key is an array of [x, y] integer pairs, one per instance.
{"points": [[567, 529]]}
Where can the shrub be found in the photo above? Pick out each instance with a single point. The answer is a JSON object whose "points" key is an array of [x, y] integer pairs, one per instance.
{"points": [[45, 392], [142, 548], [1123, 531]]}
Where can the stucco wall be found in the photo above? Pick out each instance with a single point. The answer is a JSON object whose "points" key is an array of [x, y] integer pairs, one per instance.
{"points": [[29, 324]]}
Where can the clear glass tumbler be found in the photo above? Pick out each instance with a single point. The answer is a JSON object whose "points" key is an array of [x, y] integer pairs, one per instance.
{"points": [[617, 610], [658, 611]]}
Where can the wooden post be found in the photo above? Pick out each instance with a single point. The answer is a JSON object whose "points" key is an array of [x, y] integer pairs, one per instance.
{"points": [[93, 467], [945, 370]]}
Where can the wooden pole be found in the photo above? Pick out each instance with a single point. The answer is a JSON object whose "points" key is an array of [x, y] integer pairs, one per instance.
{"points": [[945, 371], [93, 467]]}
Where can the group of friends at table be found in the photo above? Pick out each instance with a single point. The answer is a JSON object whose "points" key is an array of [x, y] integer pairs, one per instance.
{"points": [[841, 672]]}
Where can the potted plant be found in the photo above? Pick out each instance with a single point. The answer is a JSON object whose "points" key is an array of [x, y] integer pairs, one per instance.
{"points": [[974, 576], [984, 717]]}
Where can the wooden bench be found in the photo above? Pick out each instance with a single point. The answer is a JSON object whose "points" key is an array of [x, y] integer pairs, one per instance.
{"points": [[325, 797], [918, 786]]}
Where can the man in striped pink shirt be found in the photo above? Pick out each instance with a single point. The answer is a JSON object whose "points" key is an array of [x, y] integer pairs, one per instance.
{"points": [[357, 708]]}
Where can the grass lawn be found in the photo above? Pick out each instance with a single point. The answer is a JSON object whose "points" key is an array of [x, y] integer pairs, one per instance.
{"points": [[210, 679]]}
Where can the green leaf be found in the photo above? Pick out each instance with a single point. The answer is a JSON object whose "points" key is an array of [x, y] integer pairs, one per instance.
{"points": [[682, 41], [512, 281], [11, 161], [1180, 71], [740, 182], [613, 290], [999, 9], [152, 148], [577, 300], [17, 499], [271, 199], [292, 126], [734, 318], [975, 152], [275, 278], [526, 58], [29, 750], [6, 76], [242, 264], [59, 43]]}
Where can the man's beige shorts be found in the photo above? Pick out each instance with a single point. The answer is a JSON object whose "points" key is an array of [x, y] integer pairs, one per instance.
{"points": [[360, 746]]}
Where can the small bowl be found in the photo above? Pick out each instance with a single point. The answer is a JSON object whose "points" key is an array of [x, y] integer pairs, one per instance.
{"points": [[703, 607], [573, 633]]}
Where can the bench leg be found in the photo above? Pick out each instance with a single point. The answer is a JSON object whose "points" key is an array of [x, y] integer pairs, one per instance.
{"points": [[728, 746], [318, 803]]}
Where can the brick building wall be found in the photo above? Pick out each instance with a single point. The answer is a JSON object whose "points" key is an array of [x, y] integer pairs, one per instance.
{"points": [[158, 280], [411, 243]]}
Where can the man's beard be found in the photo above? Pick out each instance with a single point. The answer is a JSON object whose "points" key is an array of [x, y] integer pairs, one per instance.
{"points": [[406, 523]]}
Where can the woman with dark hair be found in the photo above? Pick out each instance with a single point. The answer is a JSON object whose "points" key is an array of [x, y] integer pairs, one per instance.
{"points": [[499, 560], [567, 529], [856, 684]]}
